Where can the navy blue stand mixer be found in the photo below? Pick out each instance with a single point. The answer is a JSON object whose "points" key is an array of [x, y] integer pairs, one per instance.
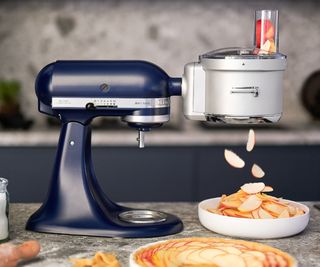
{"points": [[229, 85], [76, 92]]}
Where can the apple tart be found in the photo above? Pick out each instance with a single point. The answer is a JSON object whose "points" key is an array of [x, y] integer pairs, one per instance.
{"points": [[210, 252]]}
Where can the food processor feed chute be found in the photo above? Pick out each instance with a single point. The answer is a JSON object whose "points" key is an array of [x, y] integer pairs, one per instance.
{"points": [[266, 31]]}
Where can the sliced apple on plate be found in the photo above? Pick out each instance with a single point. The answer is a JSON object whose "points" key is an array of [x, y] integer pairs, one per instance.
{"points": [[255, 214], [236, 213], [252, 203], [263, 214], [231, 203], [284, 214], [274, 208]]}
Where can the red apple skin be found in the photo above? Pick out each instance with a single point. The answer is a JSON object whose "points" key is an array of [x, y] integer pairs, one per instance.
{"points": [[268, 31]]}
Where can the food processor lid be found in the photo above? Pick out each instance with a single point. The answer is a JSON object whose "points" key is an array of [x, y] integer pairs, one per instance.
{"points": [[241, 53]]}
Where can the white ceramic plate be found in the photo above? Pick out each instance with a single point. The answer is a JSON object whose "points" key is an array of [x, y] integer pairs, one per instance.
{"points": [[252, 228]]}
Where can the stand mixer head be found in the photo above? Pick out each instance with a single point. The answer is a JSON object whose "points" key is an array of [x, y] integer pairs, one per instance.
{"points": [[242, 85], [137, 91]]}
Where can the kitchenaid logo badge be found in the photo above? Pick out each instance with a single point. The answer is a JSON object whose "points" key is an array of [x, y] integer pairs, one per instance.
{"points": [[77, 102]]}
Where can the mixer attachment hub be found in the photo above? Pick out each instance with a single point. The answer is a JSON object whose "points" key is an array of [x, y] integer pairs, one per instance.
{"points": [[143, 216]]}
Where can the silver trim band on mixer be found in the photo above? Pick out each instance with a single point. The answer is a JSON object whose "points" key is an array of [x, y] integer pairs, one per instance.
{"points": [[146, 119], [81, 102]]}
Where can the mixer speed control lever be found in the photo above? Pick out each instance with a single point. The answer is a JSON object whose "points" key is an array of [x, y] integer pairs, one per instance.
{"points": [[90, 106]]}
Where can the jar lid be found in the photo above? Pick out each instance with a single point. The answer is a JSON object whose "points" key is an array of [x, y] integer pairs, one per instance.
{"points": [[3, 185], [241, 53]]}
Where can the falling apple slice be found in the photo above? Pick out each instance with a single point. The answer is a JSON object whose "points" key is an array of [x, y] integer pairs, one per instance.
{"points": [[233, 159], [257, 171], [252, 203], [251, 140], [267, 189], [253, 188]]}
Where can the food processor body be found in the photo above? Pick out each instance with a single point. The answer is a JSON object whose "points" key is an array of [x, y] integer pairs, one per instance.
{"points": [[234, 86]]}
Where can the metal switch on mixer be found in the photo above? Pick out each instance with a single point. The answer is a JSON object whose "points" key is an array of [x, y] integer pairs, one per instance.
{"points": [[140, 138]]}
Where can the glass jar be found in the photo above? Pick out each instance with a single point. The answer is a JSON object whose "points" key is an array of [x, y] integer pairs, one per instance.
{"points": [[4, 211]]}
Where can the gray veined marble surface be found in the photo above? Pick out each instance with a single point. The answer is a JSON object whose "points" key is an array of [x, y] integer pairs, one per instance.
{"points": [[56, 249]]}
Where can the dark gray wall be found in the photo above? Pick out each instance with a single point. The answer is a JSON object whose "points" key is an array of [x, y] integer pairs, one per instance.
{"points": [[169, 173]]}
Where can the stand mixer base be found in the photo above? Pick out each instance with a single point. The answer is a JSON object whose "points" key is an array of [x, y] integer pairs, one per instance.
{"points": [[77, 205], [144, 223]]}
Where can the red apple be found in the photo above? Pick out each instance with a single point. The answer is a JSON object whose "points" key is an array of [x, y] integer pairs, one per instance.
{"points": [[268, 31]]}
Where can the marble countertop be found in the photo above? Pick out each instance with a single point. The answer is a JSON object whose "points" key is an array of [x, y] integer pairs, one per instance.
{"points": [[156, 137], [56, 249]]}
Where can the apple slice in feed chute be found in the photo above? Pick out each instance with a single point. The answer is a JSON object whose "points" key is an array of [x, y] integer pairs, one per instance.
{"points": [[251, 140], [272, 48], [253, 188], [233, 159], [266, 46], [252, 203], [257, 171]]}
